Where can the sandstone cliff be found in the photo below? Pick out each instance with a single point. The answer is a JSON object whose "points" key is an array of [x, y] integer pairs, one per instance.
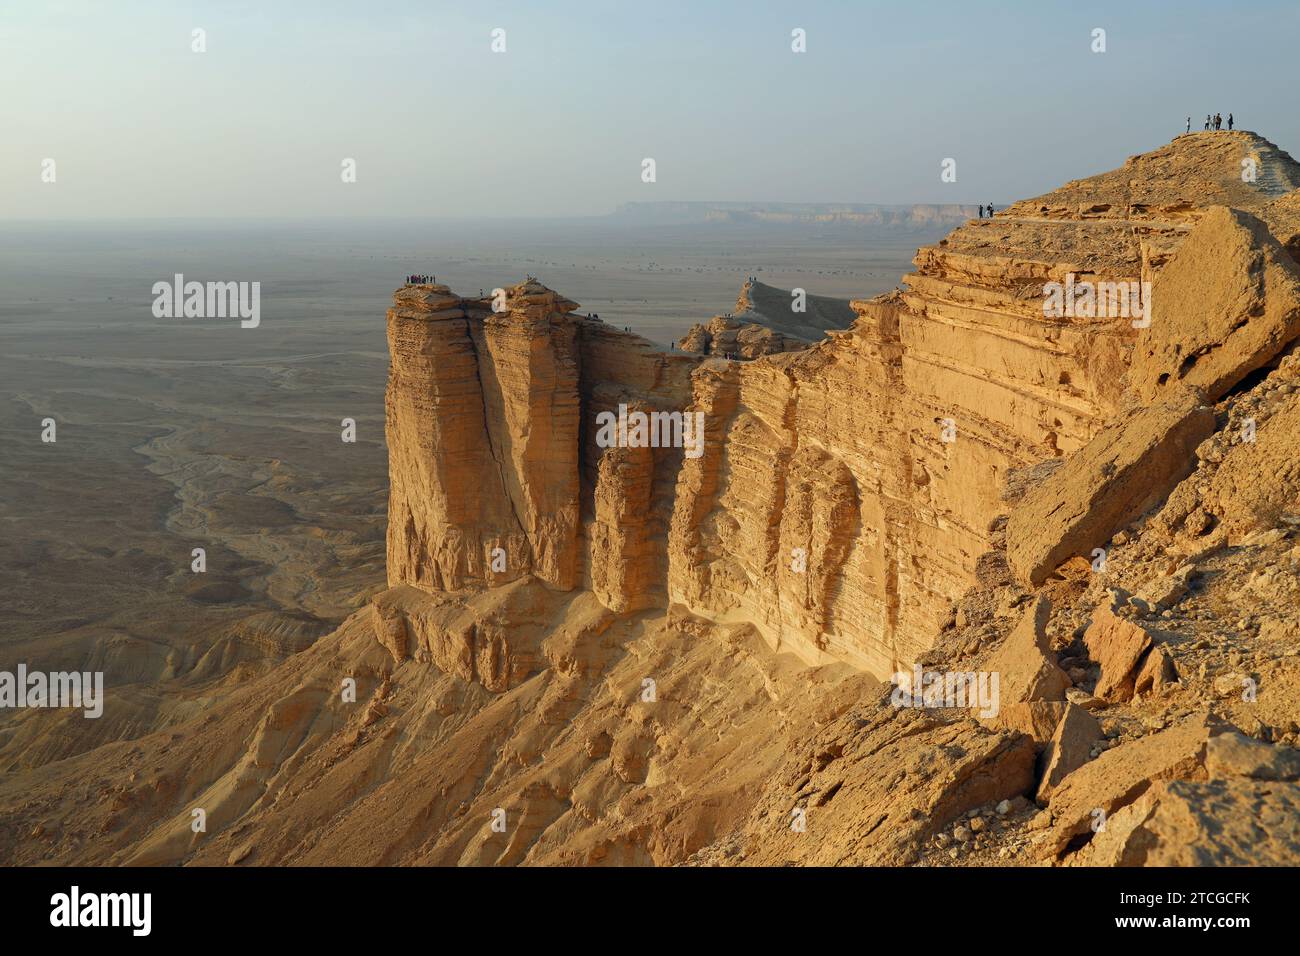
{"points": [[670, 651], [493, 455], [918, 413], [854, 478]]}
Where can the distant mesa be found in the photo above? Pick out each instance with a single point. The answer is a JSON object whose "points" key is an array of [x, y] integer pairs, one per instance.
{"points": [[853, 215]]}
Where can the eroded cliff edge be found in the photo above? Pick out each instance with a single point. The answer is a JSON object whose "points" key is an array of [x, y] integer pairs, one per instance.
{"points": [[845, 492], [579, 637]]}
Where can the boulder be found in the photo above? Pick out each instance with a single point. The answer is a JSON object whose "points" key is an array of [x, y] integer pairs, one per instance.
{"points": [[1036, 718], [1167, 590], [1117, 644], [1123, 841], [1129, 466], [1068, 750], [1121, 775], [1236, 822], [1224, 305], [1236, 755], [1156, 670], [1025, 665]]}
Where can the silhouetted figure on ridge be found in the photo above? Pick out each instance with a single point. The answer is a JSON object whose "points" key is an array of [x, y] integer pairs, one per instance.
{"points": [[1207, 120], [1189, 124], [1229, 121]]}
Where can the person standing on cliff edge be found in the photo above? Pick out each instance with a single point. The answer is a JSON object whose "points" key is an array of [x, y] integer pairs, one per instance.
{"points": [[1189, 124], [1229, 121]]}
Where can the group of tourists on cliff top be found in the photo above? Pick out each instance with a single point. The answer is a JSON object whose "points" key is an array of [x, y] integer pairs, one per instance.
{"points": [[421, 280], [1212, 122], [990, 211]]}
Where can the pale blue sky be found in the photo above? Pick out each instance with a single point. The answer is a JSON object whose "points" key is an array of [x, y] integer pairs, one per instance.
{"points": [[140, 126]]}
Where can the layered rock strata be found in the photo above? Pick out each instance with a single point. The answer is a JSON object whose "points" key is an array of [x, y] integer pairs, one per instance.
{"points": [[577, 640], [845, 491]]}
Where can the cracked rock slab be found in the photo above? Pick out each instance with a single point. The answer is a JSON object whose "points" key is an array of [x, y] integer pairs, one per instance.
{"points": [[1128, 467]]}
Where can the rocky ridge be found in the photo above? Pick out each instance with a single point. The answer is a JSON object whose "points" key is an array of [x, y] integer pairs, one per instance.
{"points": [[766, 321], [659, 653]]}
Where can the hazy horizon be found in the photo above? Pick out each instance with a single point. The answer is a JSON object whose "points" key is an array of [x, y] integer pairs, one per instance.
{"points": [[259, 124], [595, 218]]}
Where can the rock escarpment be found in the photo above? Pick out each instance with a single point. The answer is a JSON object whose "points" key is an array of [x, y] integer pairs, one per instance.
{"points": [[922, 410], [846, 491], [943, 469], [579, 631]]}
